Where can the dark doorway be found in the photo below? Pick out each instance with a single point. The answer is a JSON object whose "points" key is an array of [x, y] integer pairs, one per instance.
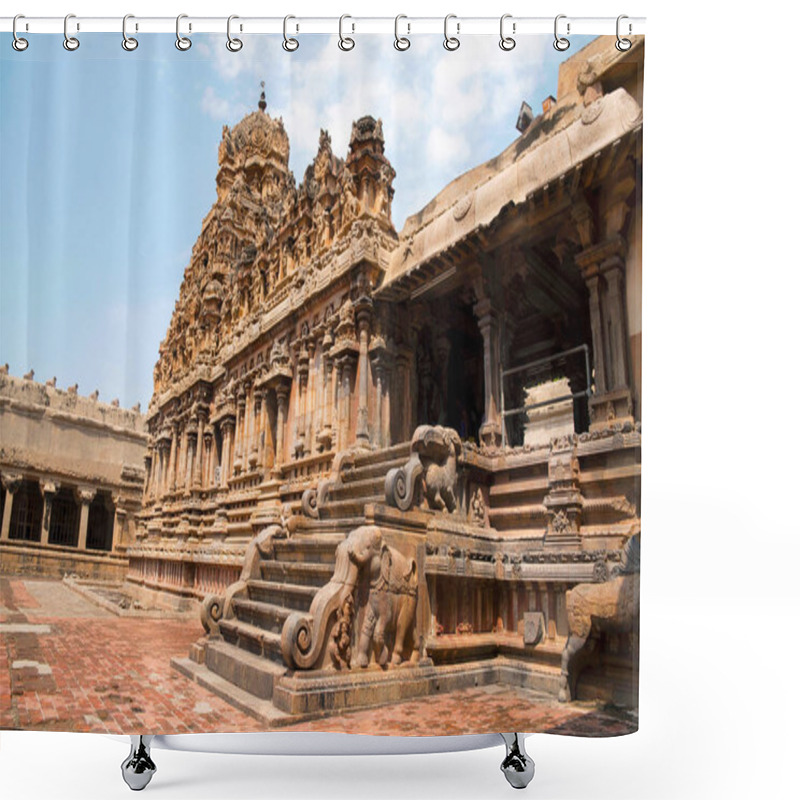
{"points": [[64, 519], [100, 529], [26, 513], [464, 390]]}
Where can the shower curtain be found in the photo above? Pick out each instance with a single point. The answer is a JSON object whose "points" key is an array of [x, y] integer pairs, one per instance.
{"points": [[320, 396]]}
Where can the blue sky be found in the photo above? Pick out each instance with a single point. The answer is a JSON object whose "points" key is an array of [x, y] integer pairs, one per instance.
{"points": [[108, 165]]}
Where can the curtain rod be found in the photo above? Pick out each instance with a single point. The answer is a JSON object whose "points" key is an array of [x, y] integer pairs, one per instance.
{"points": [[461, 26]]}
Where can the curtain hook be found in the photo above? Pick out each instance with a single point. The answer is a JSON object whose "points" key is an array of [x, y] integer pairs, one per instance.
{"points": [[18, 43], [234, 45], [561, 43], [70, 42], [345, 42], [507, 42], [128, 42], [401, 42], [181, 42], [451, 42], [289, 44], [623, 44]]}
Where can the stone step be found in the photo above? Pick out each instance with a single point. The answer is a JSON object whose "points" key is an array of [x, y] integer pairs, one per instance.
{"points": [[403, 449], [297, 572], [516, 516], [296, 598], [318, 550], [248, 671], [514, 489], [268, 616], [374, 470], [361, 488], [255, 640], [350, 507]]}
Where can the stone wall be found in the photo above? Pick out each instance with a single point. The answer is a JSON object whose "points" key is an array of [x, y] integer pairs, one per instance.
{"points": [[72, 471]]}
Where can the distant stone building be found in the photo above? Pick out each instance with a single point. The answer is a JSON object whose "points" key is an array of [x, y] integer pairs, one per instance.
{"points": [[447, 418], [72, 474]]}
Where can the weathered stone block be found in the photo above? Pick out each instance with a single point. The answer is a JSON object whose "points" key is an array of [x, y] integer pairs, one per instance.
{"points": [[533, 627]]}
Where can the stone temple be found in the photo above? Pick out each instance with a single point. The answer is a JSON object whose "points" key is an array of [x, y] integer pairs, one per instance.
{"points": [[386, 464]]}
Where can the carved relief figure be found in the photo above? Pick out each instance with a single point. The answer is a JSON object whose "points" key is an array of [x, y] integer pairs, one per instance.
{"points": [[365, 564], [392, 600]]}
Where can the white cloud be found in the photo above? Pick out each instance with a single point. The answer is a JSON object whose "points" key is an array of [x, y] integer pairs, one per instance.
{"points": [[445, 149], [442, 112]]}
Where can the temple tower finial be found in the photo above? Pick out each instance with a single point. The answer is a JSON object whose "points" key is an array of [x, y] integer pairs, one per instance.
{"points": [[262, 103]]}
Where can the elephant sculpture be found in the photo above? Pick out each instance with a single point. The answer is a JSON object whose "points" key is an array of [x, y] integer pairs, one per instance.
{"points": [[392, 603], [611, 606], [381, 583], [435, 451]]}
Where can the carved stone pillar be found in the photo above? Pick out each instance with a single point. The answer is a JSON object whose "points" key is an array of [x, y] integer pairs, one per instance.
{"points": [[301, 400], [208, 451], [598, 341], [362, 418], [346, 368], [563, 500], [261, 429], [228, 424], [603, 269], [120, 517], [183, 455], [325, 436], [282, 402], [190, 437], [311, 404], [173, 452], [199, 462], [491, 430], [11, 482], [85, 496], [48, 489], [254, 457], [239, 434]]}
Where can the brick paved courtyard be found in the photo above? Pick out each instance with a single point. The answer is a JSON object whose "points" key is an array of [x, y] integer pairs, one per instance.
{"points": [[67, 664]]}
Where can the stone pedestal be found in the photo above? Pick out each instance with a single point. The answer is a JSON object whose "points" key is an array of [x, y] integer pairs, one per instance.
{"points": [[552, 419]]}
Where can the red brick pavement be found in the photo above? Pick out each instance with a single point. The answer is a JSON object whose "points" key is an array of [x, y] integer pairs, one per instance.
{"points": [[97, 672]]}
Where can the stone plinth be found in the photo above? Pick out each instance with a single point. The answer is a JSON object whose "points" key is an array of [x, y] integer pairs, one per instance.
{"points": [[548, 421]]}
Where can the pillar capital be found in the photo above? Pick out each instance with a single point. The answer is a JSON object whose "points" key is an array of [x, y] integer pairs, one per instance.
{"points": [[48, 486], [11, 481], [85, 494], [599, 258]]}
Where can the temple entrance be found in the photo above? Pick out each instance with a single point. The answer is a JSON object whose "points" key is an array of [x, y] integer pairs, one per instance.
{"points": [[449, 362], [465, 399]]}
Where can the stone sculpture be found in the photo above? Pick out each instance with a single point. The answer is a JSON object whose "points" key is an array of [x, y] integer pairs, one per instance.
{"points": [[435, 451], [611, 607], [365, 564], [392, 600]]}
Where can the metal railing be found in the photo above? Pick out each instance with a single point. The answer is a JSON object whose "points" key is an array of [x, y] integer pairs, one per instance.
{"points": [[504, 373]]}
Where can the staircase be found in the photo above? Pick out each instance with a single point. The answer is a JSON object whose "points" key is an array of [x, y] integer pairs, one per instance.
{"points": [[516, 498], [248, 652]]}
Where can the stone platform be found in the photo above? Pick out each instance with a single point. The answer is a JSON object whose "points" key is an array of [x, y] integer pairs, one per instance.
{"points": [[277, 696]]}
